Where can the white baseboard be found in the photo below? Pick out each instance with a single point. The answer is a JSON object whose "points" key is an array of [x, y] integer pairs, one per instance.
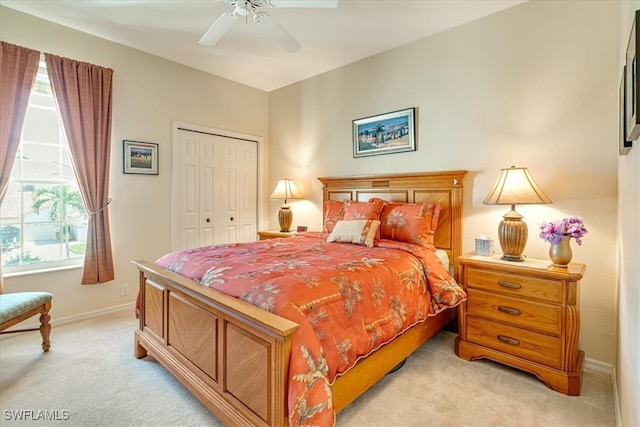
{"points": [[606, 368], [74, 318], [97, 313], [596, 365], [616, 399]]}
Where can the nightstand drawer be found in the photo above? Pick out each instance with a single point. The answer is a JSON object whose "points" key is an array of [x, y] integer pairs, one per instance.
{"points": [[513, 284], [518, 342], [529, 314]]}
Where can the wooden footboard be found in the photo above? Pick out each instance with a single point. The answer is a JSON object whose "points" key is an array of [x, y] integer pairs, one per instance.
{"points": [[232, 356]]}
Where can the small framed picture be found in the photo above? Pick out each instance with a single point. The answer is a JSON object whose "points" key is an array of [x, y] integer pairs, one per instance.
{"points": [[140, 157], [301, 228]]}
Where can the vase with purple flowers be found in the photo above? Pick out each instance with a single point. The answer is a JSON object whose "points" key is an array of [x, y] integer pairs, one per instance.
{"points": [[559, 234]]}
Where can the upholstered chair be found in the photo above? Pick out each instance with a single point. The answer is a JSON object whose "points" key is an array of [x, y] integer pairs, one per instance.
{"points": [[19, 306]]}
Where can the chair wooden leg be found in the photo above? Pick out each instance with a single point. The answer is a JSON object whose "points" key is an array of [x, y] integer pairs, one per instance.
{"points": [[45, 330]]}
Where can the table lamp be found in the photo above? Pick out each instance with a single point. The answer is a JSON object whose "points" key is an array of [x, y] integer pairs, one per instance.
{"points": [[286, 189], [515, 186]]}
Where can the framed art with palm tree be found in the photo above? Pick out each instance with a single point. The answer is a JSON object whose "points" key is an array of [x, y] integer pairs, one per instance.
{"points": [[384, 134]]}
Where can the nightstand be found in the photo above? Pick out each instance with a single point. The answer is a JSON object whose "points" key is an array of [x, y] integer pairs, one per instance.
{"points": [[274, 234], [522, 314]]}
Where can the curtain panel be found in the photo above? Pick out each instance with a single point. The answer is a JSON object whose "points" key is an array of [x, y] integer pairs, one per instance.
{"points": [[18, 69], [83, 94]]}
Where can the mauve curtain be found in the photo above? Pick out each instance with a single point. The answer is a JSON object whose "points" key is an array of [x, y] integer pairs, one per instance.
{"points": [[18, 69], [83, 95]]}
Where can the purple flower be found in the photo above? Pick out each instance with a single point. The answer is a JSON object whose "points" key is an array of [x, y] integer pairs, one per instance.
{"points": [[553, 232]]}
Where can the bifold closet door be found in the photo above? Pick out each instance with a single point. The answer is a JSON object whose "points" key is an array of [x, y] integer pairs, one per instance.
{"points": [[215, 190], [238, 190]]}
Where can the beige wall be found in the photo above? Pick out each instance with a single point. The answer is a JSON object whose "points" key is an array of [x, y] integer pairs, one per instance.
{"points": [[149, 93], [627, 369], [535, 85]]}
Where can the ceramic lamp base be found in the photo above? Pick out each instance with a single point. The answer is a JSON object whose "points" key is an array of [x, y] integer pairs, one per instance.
{"points": [[285, 218], [516, 258], [513, 233]]}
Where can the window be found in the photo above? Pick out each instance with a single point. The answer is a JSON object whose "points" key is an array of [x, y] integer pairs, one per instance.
{"points": [[42, 216]]}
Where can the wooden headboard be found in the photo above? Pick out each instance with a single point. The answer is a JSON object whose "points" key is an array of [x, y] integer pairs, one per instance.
{"points": [[444, 187]]}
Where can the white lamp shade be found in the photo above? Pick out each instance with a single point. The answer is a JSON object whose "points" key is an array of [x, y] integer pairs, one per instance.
{"points": [[286, 189], [515, 186]]}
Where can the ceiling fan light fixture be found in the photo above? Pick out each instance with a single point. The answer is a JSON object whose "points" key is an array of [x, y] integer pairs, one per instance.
{"points": [[250, 7], [241, 9]]}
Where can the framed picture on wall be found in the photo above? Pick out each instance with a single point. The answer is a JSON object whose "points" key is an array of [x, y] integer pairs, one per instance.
{"points": [[140, 157], [384, 134], [623, 144], [632, 90]]}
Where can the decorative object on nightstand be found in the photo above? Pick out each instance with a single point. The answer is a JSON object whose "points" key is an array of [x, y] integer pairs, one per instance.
{"points": [[524, 315], [515, 186], [287, 190], [485, 246], [561, 254], [559, 234]]}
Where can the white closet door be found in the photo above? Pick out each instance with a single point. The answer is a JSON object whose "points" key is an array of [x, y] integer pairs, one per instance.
{"points": [[238, 190], [187, 201], [247, 192], [209, 227], [215, 189]]}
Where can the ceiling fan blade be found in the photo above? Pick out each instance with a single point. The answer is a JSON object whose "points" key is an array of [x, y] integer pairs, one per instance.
{"points": [[304, 3], [217, 30], [278, 32]]}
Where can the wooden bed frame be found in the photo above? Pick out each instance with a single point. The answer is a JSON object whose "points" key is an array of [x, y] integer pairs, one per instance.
{"points": [[234, 357]]}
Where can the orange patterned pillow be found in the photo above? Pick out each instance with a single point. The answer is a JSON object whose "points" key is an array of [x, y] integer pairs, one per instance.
{"points": [[358, 231], [333, 212], [410, 222], [363, 210]]}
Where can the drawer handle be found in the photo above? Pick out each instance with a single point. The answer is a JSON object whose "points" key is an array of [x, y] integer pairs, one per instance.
{"points": [[509, 285], [509, 310], [508, 340]]}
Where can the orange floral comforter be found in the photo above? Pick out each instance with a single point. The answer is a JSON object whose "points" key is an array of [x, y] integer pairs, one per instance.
{"points": [[348, 300]]}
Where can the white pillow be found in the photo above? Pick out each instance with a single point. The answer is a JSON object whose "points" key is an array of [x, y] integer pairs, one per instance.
{"points": [[358, 231]]}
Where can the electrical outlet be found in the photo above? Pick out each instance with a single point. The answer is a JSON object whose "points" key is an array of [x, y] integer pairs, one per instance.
{"points": [[124, 289]]}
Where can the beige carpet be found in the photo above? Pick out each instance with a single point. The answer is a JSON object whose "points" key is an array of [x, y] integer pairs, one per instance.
{"points": [[91, 377]]}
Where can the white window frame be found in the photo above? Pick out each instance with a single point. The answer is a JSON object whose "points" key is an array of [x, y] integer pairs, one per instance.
{"points": [[56, 264]]}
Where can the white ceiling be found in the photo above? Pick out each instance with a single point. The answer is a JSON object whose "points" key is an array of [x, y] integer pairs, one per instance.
{"points": [[330, 38]]}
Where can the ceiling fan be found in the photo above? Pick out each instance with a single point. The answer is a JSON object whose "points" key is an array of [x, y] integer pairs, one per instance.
{"points": [[247, 8]]}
